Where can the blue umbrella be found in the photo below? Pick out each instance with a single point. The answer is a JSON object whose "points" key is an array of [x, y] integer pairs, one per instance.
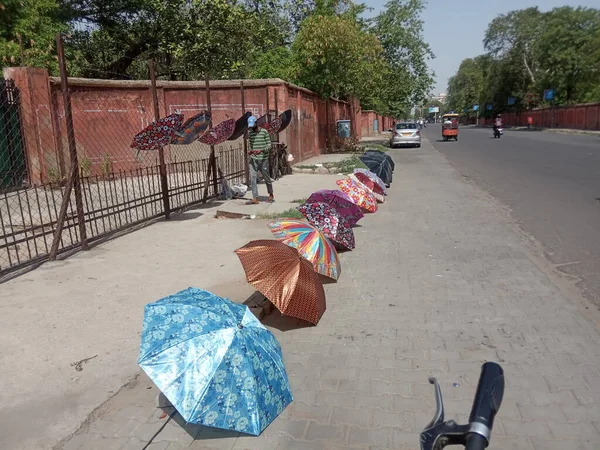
{"points": [[214, 361]]}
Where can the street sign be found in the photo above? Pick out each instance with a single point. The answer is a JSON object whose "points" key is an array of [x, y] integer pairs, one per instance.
{"points": [[475, 107], [490, 107], [434, 109], [549, 95], [511, 101]]}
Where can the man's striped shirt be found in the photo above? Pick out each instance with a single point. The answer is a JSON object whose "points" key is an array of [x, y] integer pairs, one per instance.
{"points": [[260, 144]]}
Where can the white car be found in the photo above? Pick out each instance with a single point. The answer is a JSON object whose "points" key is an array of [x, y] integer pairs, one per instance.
{"points": [[406, 133]]}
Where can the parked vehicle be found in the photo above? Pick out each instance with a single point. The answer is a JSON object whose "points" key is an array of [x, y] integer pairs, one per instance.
{"points": [[450, 127], [476, 434], [406, 133]]}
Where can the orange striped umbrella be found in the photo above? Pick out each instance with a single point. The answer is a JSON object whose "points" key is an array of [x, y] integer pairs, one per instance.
{"points": [[284, 277]]}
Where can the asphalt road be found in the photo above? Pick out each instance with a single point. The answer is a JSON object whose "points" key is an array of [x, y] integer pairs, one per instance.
{"points": [[550, 181]]}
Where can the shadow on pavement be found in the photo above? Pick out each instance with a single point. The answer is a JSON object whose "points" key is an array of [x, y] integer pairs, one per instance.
{"points": [[284, 323]]}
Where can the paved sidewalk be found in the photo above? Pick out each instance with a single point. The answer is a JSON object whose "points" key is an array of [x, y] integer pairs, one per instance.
{"points": [[439, 282]]}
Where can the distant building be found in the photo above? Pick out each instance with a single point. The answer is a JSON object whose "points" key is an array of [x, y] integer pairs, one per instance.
{"points": [[441, 97]]}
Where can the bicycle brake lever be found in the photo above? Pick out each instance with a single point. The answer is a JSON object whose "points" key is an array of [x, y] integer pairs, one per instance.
{"points": [[438, 434]]}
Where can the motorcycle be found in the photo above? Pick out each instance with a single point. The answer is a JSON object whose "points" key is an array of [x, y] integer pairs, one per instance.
{"points": [[476, 434], [498, 131]]}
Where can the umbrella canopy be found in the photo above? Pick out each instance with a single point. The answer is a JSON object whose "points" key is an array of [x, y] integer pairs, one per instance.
{"points": [[384, 155], [329, 222], [310, 243], [369, 179], [214, 361], [218, 134], [241, 125], [286, 118], [340, 201], [359, 193], [285, 278], [158, 133], [370, 186], [273, 126], [378, 164], [192, 129]]}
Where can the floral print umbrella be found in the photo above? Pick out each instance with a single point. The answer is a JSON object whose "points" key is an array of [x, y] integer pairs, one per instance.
{"points": [[330, 222], [192, 129], [369, 179], [368, 185], [310, 243], [218, 134], [359, 194], [340, 201], [158, 133], [214, 361]]}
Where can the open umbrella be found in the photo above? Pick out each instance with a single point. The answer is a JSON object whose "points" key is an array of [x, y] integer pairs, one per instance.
{"points": [[158, 133], [286, 118], [370, 180], [387, 157], [214, 361], [310, 243], [378, 164], [330, 222], [369, 184], [218, 134], [192, 129], [241, 125], [273, 126], [340, 201], [359, 193], [283, 276]]}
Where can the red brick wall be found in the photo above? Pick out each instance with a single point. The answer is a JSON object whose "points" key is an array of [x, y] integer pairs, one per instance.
{"points": [[582, 117]]}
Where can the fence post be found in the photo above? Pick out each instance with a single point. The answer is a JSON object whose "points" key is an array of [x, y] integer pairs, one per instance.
{"points": [[213, 157], [246, 162], [74, 178], [162, 167]]}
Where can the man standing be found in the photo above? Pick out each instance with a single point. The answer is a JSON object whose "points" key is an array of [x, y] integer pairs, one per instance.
{"points": [[260, 145]]}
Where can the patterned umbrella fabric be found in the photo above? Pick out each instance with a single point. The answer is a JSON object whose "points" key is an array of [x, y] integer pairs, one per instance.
{"points": [[310, 243], [378, 164], [369, 179], [241, 125], [158, 133], [340, 201], [283, 276], [368, 185], [192, 129], [359, 193], [218, 134], [286, 118], [273, 126], [214, 361], [330, 222]]}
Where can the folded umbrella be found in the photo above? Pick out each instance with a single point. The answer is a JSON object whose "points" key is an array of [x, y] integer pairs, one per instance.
{"points": [[158, 133], [214, 361], [340, 201], [218, 134], [359, 193], [241, 125], [192, 129], [330, 222], [283, 276], [310, 243]]}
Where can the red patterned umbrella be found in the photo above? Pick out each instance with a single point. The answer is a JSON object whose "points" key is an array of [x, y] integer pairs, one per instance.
{"points": [[219, 134], [359, 193], [158, 133], [340, 201], [329, 222]]}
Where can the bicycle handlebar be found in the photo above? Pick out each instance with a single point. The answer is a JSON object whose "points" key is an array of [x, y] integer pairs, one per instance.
{"points": [[476, 434]]}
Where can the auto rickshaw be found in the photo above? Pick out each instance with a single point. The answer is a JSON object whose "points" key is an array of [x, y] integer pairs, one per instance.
{"points": [[450, 127]]}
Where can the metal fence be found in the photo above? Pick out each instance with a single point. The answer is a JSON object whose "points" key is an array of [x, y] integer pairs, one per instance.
{"points": [[59, 192]]}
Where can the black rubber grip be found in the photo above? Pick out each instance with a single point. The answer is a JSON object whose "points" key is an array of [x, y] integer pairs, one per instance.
{"points": [[476, 442], [488, 398]]}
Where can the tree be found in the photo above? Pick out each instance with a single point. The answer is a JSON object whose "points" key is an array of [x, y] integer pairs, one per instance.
{"points": [[408, 80], [335, 58]]}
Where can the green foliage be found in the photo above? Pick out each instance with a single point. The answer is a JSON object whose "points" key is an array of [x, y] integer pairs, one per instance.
{"points": [[530, 51], [274, 63]]}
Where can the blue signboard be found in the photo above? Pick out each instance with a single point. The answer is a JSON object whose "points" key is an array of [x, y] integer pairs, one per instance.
{"points": [[490, 107], [549, 94], [511, 101], [475, 107]]}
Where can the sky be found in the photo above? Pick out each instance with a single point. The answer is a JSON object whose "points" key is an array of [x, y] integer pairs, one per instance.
{"points": [[455, 28]]}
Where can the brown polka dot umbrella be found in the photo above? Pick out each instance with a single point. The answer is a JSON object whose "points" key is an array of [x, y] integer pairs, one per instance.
{"points": [[284, 277]]}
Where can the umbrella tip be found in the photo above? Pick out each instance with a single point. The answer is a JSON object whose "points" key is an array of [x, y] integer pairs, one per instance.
{"points": [[240, 326]]}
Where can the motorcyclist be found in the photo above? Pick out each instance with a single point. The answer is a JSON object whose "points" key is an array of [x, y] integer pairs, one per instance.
{"points": [[498, 122]]}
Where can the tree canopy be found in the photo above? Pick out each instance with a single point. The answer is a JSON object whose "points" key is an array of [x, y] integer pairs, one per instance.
{"points": [[328, 46], [529, 51]]}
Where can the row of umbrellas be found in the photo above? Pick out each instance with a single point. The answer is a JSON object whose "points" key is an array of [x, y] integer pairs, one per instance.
{"points": [[211, 357], [173, 130]]}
